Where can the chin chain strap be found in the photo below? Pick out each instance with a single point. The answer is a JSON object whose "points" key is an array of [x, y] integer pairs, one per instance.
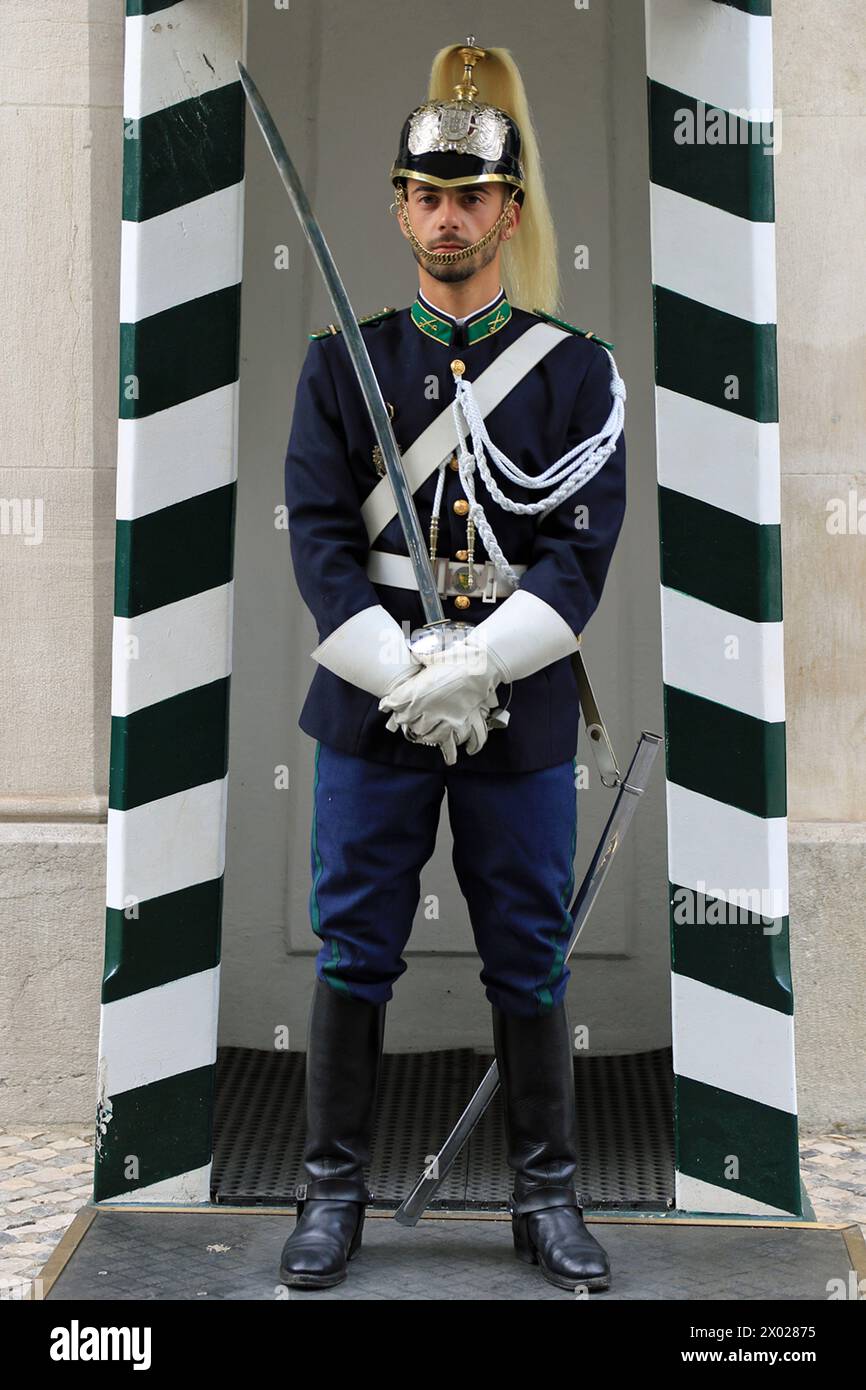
{"points": [[566, 475]]}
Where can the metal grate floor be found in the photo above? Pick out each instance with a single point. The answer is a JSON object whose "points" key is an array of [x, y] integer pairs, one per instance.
{"points": [[221, 1254], [625, 1127]]}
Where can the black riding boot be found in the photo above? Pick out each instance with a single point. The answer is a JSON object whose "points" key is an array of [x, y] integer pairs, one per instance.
{"points": [[536, 1074], [344, 1049]]}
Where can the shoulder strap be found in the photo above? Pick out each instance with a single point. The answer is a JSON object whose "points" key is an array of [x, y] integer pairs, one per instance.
{"points": [[368, 318], [581, 332], [437, 440]]}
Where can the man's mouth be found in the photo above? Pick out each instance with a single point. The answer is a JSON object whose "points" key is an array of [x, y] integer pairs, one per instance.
{"points": [[448, 246]]}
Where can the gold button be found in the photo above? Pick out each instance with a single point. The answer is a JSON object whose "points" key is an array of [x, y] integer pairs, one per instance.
{"points": [[452, 462], [461, 601], [462, 555], [461, 506], [458, 367]]}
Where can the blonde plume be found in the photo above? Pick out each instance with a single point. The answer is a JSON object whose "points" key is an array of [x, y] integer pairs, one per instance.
{"points": [[530, 265]]}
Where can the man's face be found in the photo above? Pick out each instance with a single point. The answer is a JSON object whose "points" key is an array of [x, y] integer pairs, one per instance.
{"points": [[447, 219]]}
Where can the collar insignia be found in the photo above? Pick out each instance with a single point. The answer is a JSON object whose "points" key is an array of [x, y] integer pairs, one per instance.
{"points": [[477, 326]]}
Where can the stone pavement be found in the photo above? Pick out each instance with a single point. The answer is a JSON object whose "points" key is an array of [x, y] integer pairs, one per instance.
{"points": [[46, 1177]]}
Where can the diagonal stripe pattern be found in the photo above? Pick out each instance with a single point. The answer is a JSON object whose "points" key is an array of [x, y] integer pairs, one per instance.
{"points": [[181, 248], [709, 69]]}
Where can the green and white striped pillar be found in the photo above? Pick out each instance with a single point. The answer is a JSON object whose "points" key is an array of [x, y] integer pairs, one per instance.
{"points": [[183, 126], [714, 276], [713, 258]]}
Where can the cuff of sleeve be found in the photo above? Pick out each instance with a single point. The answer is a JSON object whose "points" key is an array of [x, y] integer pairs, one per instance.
{"points": [[368, 650], [525, 633]]}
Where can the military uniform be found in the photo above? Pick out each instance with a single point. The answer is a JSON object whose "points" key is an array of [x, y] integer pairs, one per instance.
{"points": [[536, 394], [330, 473], [363, 905]]}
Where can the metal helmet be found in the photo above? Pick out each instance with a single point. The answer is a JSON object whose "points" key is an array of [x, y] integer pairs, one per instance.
{"points": [[462, 140]]}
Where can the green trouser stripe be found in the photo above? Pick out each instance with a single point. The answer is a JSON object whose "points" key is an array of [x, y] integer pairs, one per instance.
{"points": [[184, 152], [170, 937], [717, 1127], [170, 746], [736, 176], [725, 754], [331, 967], [314, 902], [166, 1126], [719, 557], [707, 354], [179, 353], [544, 996], [175, 552], [742, 952]]}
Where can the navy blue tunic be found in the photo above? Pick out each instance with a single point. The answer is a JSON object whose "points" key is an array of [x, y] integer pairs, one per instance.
{"points": [[330, 471]]}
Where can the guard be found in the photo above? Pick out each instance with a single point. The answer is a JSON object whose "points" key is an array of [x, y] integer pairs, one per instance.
{"points": [[509, 423]]}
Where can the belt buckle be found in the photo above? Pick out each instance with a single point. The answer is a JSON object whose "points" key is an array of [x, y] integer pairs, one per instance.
{"points": [[463, 577], [491, 584]]}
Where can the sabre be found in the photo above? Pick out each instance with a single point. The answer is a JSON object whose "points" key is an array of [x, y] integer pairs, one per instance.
{"points": [[438, 631]]}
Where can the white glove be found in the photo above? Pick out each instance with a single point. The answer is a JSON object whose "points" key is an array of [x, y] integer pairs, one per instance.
{"points": [[521, 636], [369, 650], [473, 732], [446, 702]]}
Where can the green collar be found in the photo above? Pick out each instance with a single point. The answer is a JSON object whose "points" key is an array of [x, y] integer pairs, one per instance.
{"points": [[442, 328]]}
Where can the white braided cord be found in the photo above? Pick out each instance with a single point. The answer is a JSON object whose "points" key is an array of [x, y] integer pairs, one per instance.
{"points": [[569, 472], [440, 484]]}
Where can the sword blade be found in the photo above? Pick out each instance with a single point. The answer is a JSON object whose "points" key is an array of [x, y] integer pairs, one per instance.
{"points": [[371, 391]]}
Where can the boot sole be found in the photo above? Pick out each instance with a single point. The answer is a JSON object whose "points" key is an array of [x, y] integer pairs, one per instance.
{"points": [[310, 1281]]}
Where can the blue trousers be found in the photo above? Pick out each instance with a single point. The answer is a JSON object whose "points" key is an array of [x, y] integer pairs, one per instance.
{"points": [[514, 838]]}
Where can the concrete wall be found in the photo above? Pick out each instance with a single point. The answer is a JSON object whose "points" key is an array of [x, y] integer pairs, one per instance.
{"points": [[820, 58], [60, 132], [61, 79]]}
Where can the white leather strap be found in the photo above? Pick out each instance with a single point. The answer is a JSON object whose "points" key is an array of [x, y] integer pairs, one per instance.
{"points": [[397, 571], [437, 441]]}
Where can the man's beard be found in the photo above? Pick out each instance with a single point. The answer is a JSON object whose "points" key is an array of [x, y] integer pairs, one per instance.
{"points": [[458, 271]]}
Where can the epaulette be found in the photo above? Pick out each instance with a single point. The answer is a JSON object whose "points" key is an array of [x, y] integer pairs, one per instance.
{"points": [[581, 332], [368, 318]]}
